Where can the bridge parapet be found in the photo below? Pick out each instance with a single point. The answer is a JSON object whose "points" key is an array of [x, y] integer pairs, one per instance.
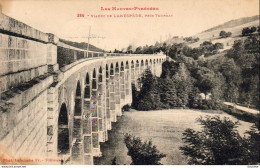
{"points": [[25, 53], [17, 28]]}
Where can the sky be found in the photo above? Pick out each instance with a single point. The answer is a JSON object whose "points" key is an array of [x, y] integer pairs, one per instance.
{"points": [[184, 18]]}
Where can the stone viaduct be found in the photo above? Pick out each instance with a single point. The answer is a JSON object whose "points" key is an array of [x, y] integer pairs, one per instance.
{"points": [[58, 101]]}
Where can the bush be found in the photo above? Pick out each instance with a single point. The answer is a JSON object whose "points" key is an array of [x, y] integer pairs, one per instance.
{"points": [[210, 104], [142, 153], [224, 34], [126, 108], [219, 143]]}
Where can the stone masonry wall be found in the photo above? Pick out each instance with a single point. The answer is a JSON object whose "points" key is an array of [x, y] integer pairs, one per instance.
{"points": [[23, 53]]}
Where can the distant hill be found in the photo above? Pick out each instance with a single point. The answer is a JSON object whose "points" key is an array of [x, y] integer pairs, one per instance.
{"points": [[82, 45], [233, 26], [234, 23]]}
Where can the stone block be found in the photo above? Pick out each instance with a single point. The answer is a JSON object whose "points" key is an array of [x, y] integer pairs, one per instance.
{"points": [[3, 54], [3, 86]]}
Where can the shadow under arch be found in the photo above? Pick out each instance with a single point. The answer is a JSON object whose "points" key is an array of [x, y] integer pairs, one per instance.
{"points": [[77, 111], [122, 66], [117, 68], [94, 79], [63, 131], [111, 69], [87, 87]]}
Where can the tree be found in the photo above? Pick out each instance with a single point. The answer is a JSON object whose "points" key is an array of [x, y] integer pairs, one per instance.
{"points": [[231, 72], [218, 46], [218, 143], [245, 31], [148, 97], [253, 145], [222, 34], [245, 54], [206, 80], [129, 49], [139, 50], [169, 69], [253, 29], [142, 153], [229, 34]]}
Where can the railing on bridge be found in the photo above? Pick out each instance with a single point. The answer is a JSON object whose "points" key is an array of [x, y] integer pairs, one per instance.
{"points": [[67, 54]]}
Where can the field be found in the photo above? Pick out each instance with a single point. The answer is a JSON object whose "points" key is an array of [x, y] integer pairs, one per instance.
{"points": [[163, 127]]}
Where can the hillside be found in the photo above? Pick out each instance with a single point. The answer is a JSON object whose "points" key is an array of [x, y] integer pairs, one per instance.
{"points": [[234, 23], [234, 26], [212, 34], [82, 45]]}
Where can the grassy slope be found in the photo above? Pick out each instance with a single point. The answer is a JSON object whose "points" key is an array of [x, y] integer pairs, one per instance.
{"points": [[163, 127], [213, 34], [234, 23]]}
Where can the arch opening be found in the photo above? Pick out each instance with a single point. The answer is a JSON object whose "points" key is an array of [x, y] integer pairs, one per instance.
{"points": [[63, 131], [146, 62], [94, 81], [100, 75], [77, 111], [111, 69], [87, 79], [117, 67], [132, 64], [122, 66], [137, 64], [127, 65], [87, 88]]}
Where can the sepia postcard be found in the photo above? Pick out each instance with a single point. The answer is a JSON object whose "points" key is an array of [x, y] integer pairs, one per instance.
{"points": [[129, 82]]}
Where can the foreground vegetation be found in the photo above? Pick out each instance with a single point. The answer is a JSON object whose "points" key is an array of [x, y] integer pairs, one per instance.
{"points": [[219, 143], [142, 153]]}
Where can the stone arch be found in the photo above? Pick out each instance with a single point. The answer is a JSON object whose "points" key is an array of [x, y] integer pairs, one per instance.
{"points": [[77, 109], [94, 79], [157, 61], [107, 71], [87, 87], [87, 80], [132, 64], [117, 68], [137, 63], [132, 72], [127, 65], [146, 62], [111, 69], [122, 66], [151, 62], [142, 63], [63, 131], [100, 74]]}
